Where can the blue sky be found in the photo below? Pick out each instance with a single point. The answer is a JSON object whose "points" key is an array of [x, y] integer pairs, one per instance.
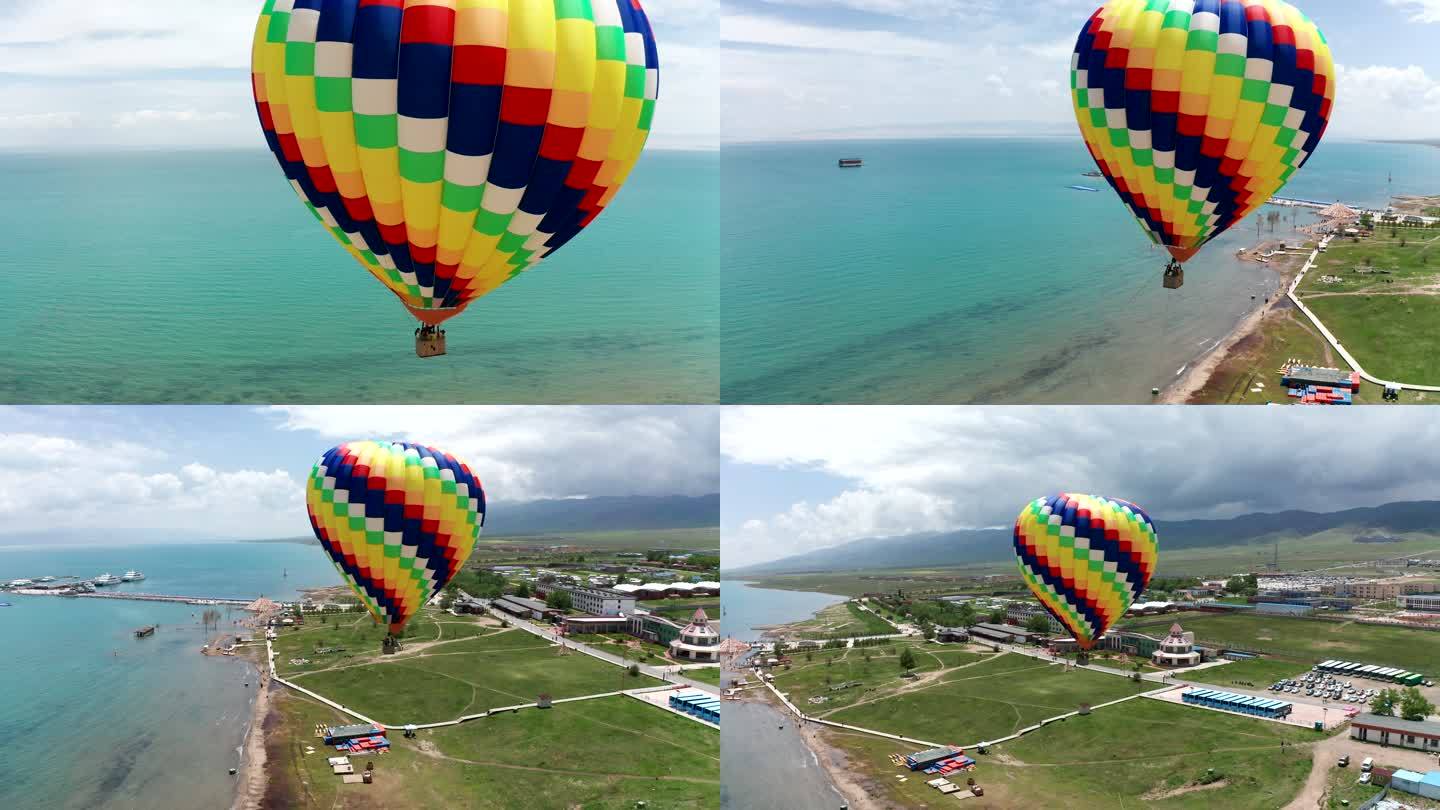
{"points": [[797, 479], [153, 73], [239, 471], [817, 69]]}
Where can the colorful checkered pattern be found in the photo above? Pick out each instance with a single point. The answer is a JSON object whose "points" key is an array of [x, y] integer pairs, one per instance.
{"points": [[398, 520], [1086, 558], [1198, 111], [451, 144]]}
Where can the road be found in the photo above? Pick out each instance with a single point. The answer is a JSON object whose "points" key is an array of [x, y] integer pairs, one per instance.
{"points": [[547, 632]]}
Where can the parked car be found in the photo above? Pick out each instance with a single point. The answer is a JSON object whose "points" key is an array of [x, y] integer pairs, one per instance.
{"points": [[1343, 762], [1368, 764]]}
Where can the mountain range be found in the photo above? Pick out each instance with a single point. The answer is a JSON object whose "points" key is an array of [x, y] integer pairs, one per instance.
{"points": [[568, 515], [969, 546]]}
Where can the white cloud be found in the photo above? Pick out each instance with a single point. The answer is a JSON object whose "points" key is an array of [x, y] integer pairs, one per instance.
{"points": [[58, 482], [915, 469], [1383, 101], [525, 452], [1424, 11], [168, 117], [42, 121]]}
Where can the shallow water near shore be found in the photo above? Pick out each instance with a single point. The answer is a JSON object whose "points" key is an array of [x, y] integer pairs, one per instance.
{"points": [[99, 719], [767, 764], [967, 271]]}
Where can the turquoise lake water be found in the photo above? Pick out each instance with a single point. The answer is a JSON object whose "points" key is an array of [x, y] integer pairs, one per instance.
{"points": [[967, 271], [746, 608], [95, 718], [199, 277]]}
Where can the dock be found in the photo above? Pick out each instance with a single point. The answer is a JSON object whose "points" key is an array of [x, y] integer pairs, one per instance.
{"points": [[156, 597]]}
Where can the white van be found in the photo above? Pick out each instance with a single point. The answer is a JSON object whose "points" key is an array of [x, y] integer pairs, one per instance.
{"points": [[1367, 764]]}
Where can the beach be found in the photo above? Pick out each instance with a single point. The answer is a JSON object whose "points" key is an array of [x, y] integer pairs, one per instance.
{"points": [[1199, 373]]}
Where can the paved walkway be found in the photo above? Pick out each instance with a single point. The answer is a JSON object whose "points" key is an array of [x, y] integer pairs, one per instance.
{"points": [[1330, 336]]}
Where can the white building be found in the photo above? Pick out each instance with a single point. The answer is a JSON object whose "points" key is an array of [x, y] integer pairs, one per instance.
{"points": [[600, 601], [1422, 602], [698, 641], [1177, 650]]}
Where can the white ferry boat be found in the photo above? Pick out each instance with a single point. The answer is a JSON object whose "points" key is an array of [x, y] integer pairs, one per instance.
{"points": [[106, 579], [132, 576]]}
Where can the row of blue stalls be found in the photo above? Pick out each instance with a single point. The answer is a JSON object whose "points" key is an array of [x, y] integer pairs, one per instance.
{"points": [[1232, 702], [697, 704]]}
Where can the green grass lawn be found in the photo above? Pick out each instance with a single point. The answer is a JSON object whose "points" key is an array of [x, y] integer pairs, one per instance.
{"points": [[813, 673], [1395, 337], [843, 620], [1309, 641], [985, 701], [1128, 755], [1261, 672], [526, 759], [464, 677], [710, 675]]}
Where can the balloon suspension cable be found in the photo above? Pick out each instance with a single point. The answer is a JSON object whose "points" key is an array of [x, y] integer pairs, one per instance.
{"points": [[429, 341]]}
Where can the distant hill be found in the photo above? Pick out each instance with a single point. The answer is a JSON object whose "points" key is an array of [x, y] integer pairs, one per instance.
{"points": [[994, 545], [605, 514]]}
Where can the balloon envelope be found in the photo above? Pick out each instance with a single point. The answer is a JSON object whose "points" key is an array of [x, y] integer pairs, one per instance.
{"points": [[398, 520], [1198, 111], [451, 144], [1086, 558]]}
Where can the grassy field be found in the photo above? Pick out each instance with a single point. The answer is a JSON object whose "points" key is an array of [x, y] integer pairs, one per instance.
{"points": [[1308, 641], [1261, 672], [1392, 336], [873, 671], [984, 700], [435, 678], [703, 539], [1138, 753], [1286, 333], [520, 760], [710, 675], [842, 621]]}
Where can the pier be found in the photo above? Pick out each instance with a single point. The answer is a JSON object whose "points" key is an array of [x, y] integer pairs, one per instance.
{"points": [[148, 597]]}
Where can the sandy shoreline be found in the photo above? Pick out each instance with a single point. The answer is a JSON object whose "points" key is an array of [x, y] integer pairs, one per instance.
{"points": [[1197, 375], [252, 780]]}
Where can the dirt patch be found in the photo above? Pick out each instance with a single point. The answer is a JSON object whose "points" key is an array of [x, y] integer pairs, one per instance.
{"points": [[1155, 795]]}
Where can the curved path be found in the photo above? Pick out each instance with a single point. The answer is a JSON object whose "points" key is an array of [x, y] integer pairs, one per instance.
{"points": [[1330, 336]]}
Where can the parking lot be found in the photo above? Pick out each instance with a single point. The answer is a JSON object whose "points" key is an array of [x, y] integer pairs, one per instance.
{"points": [[1304, 714]]}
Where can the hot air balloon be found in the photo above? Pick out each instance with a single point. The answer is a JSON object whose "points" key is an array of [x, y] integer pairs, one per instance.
{"points": [[1198, 111], [397, 519], [451, 144], [1086, 558]]}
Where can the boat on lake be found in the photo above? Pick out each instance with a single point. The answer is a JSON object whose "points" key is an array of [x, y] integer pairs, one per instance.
{"points": [[1085, 188], [132, 576], [851, 163], [106, 578]]}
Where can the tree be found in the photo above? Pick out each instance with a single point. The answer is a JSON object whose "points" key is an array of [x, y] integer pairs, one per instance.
{"points": [[522, 590], [997, 616], [634, 670], [1414, 706], [907, 659], [929, 632], [559, 600], [1039, 623], [1384, 703]]}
